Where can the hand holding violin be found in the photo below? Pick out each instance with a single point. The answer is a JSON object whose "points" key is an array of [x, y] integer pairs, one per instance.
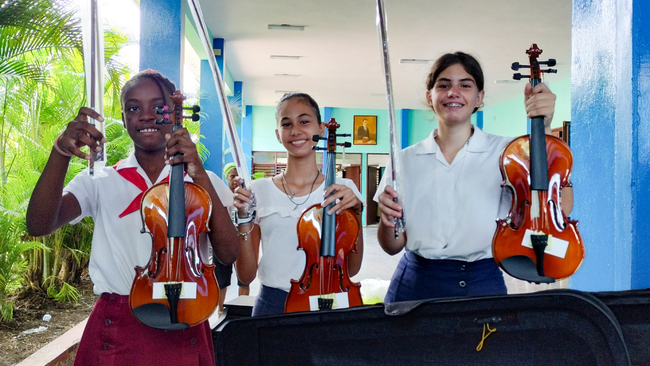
{"points": [[180, 142], [540, 101], [347, 199]]}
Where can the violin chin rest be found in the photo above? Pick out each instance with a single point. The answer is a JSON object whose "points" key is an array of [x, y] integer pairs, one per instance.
{"points": [[523, 268], [156, 315]]}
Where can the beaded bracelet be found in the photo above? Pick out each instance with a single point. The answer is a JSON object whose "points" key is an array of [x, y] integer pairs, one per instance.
{"points": [[245, 234], [58, 149]]}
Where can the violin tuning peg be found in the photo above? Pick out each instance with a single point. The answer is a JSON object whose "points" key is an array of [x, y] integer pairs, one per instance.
{"points": [[551, 62], [550, 71], [315, 138], [196, 109], [195, 117], [516, 76], [347, 144], [515, 66]]}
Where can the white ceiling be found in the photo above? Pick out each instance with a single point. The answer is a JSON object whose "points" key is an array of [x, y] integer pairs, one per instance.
{"points": [[340, 64]]}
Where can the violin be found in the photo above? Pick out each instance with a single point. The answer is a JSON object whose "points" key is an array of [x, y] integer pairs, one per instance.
{"points": [[327, 241], [176, 289], [536, 242]]}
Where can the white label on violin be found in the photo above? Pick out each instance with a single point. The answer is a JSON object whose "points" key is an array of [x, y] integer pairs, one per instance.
{"points": [[187, 292], [340, 301], [554, 246]]}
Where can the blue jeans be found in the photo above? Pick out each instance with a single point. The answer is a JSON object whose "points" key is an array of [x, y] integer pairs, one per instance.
{"points": [[417, 278]]}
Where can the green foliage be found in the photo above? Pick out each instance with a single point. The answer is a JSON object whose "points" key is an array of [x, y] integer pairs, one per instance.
{"points": [[41, 89], [258, 175]]}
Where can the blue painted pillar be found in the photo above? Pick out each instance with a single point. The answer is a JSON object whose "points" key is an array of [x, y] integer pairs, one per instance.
{"points": [[247, 136], [162, 33], [610, 138], [211, 121], [479, 119], [404, 134], [327, 115]]}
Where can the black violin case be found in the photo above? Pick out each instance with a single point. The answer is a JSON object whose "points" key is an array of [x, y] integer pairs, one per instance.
{"points": [[556, 327], [632, 310]]}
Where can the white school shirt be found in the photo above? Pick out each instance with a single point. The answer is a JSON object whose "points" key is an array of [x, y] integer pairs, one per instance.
{"points": [[450, 209], [277, 217], [118, 245]]}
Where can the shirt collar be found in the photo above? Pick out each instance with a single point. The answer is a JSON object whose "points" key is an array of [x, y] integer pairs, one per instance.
{"points": [[132, 162], [477, 143]]}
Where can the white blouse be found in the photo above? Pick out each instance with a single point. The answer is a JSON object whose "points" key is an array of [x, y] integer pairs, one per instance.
{"points": [[450, 209], [277, 217]]}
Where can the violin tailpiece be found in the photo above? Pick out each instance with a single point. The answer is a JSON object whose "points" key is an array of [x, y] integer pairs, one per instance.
{"points": [[539, 243]]}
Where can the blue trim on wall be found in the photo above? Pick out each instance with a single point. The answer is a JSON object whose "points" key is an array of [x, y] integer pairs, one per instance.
{"points": [[161, 28], [479, 119], [404, 136], [211, 121]]}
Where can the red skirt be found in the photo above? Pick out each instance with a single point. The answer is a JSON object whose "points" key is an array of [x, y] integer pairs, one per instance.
{"points": [[113, 336]]}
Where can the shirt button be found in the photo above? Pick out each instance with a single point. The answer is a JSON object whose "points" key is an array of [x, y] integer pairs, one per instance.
{"points": [[462, 267], [193, 341], [462, 284], [107, 322], [105, 346]]}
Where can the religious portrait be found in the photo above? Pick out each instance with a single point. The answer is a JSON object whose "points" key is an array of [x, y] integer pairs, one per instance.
{"points": [[365, 130]]}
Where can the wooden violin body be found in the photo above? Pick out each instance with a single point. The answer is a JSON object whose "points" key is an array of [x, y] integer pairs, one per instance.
{"points": [[324, 274], [536, 242], [513, 232], [177, 289], [177, 260], [327, 241]]}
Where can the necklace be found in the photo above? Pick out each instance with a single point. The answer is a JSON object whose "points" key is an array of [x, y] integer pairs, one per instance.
{"points": [[293, 194]]}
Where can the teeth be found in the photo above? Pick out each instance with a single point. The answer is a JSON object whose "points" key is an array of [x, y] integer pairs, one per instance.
{"points": [[298, 142], [149, 130], [454, 105]]}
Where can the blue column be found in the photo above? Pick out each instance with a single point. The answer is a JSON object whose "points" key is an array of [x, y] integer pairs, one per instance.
{"points": [[610, 139], [161, 33], [211, 121], [479, 119], [404, 134], [247, 136], [236, 102]]}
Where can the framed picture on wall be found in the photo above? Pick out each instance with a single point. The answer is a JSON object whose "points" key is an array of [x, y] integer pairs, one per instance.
{"points": [[365, 130]]}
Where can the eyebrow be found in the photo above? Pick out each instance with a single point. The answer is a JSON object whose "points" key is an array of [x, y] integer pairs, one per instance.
{"points": [[134, 100], [461, 80], [300, 116]]}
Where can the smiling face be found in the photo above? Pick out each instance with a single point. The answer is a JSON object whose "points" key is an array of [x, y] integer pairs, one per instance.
{"points": [[454, 95], [297, 123], [139, 117]]}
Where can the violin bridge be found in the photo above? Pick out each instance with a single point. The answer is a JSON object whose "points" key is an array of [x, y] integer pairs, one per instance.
{"points": [[554, 246], [338, 300], [188, 291]]}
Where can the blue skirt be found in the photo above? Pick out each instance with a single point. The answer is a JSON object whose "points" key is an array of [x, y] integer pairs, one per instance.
{"points": [[269, 301], [417, 278]]}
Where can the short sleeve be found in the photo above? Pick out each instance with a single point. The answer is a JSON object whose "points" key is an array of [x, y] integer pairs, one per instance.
{"points": [[82, 187], [383, 183]]}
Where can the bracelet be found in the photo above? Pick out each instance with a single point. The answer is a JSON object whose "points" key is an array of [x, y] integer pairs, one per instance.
{"points": [[245, 220], [245, 234], [58, 149]]}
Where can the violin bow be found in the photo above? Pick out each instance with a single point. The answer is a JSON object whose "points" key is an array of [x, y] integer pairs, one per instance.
{"points": [[400, 223], [93, 47], [233, 137]]}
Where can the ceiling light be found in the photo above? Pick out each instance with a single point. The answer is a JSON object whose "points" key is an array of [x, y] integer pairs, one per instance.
{"points": [[286, 27], [286, 91], [286, 75], [413, 61], [284, 57]]}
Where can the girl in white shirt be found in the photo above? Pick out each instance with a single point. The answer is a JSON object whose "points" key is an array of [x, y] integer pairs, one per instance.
{"points": [[452, 189], [280, 202]]}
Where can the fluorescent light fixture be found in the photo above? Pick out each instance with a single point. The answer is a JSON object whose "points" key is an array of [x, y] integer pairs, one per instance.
{"points": [[286, 27], [286, 91], [284, 57], [413, 61], [286, 75]]}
